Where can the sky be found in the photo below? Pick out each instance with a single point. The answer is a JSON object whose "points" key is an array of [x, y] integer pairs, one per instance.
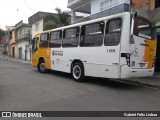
{"points": [[13, 11]]}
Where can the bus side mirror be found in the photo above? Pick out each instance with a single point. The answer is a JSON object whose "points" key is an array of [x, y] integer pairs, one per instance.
{"points": [[135, 15], [32, 41]]}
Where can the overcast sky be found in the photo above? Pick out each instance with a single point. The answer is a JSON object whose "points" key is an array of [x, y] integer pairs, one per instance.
{"points": [[13, 11]]}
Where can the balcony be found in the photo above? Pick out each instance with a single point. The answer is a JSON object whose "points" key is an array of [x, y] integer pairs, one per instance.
{"points": [[115, 10], [24, 37], [76, 3]]}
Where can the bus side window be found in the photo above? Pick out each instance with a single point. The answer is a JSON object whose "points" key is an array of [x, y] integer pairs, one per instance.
{"points": [[92, 35], [44, 40], [71, 37], [113, 32], [55, 39]]}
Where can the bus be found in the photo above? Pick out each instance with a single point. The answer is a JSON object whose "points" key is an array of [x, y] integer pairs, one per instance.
{"points": [[117, 46]]}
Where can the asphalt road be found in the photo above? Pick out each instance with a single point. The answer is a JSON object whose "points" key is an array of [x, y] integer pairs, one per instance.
{"points": [[22, 87]]}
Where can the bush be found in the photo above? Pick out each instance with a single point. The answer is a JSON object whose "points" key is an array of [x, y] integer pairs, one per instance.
{"points": [[4, 52]]}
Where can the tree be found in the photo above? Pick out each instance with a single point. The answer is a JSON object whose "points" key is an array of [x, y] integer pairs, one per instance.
{"points": [[2, 33], [58, 20]]}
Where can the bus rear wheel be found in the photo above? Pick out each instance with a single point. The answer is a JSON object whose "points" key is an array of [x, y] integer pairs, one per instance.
{"points": [[42, 67], [78, 72]]}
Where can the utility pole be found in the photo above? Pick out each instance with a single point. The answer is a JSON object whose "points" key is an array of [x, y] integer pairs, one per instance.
{"points": [[8, 49], [29, 37]]}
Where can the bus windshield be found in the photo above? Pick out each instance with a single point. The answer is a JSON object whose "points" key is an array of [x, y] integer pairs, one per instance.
{"points": [[34, 45], [143, 28]]}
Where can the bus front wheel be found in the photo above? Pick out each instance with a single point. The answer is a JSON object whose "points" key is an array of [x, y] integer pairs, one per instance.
{"points": [[78, 72], [42, 67]]}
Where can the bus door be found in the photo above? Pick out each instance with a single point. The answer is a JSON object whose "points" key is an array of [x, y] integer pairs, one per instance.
{"points": [[35, 51], [44, 50], [142, 44]]}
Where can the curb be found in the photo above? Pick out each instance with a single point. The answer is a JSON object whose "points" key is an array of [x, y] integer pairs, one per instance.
{"points": [[141, 83]]}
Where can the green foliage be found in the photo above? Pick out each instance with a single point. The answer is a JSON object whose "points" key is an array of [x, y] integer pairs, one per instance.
{"points": [[4, 52], [49, 26], [60, 19]]}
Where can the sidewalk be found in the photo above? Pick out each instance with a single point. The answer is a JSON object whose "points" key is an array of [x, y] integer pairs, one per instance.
{"points": [[16, 60], [153, 81]]}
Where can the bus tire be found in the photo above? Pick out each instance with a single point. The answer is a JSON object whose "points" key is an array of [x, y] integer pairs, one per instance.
{"points": [[42, 67], [78, 72]]}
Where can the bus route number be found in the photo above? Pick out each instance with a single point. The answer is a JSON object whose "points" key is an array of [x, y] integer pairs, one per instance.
{"points": [[111, 50]]}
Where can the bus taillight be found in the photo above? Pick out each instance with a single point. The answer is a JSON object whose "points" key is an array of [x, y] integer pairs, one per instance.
{"points": [[127, 56]]}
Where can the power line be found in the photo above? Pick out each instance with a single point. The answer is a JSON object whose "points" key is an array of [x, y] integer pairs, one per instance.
{"points": [[54, 3], [12, 4], [28, 6]]}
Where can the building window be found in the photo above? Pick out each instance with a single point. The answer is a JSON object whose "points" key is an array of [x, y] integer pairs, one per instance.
{"points": [[55, 39], [157, 3], [113, 32], [20, 33], [37, 27], [71, 37], [106, 4], [92, 35]]}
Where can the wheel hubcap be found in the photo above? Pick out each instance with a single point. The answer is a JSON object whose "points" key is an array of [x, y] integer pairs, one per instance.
{"points": [[76, 72], [43, 67]]}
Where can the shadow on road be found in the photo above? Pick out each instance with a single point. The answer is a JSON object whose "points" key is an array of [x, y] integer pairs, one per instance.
{"points": [[112, 83]]}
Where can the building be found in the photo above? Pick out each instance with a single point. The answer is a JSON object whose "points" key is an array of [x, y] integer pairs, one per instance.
{"points": [[151, 10], [3, 43], [23, 36], [3, 40], [13, 44], [96, 8], [8, 35], [38, 22]]}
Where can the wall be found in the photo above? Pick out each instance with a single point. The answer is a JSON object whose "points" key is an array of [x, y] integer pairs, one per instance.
{"points": [[147, 9], [14, 44], [23, 32], [23, 45], [34, 32], [95, 4], [3, 40]]}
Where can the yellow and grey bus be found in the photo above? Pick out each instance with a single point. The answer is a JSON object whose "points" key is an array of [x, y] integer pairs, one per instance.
{"points": [[117, 46]]}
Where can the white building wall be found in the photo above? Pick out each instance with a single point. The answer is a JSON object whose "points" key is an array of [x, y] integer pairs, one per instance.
{"points": [[95, 4], [23, 46], [35, 30]]}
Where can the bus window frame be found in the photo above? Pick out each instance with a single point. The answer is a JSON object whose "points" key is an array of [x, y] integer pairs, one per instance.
{"points": [[150, 24], [48, 37], [107, 28], [61, 38], [81, 29], [64, 33]]}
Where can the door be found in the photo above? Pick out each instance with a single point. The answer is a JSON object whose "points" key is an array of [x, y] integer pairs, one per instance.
{"points": [[157, 62], [44, 51], [20, 53], [142, 45], [13, 52], [35, 56]]}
